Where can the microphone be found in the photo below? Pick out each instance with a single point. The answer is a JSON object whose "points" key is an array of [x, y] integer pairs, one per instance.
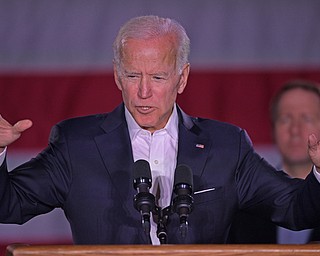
{"points": [[144, 201], [183, 202]]}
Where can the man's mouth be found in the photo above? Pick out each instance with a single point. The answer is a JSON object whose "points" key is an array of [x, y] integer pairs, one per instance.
{"points": [[144, 109]]}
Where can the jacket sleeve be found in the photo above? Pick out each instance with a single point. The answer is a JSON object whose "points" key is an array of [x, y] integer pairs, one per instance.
{"points": [[37, 186], [271, 194]]}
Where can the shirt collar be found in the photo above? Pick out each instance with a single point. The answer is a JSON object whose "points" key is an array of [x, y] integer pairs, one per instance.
{"points": [[171, 127]]}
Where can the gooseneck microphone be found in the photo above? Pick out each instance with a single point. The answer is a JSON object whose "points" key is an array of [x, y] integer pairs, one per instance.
{"points": [[144, 201], [183, 202]]}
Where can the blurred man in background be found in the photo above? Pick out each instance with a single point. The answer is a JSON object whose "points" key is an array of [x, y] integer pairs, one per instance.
{"points": [[295, 114]]}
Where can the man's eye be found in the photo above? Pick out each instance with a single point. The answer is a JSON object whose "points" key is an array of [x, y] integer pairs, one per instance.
{"points": [[284, 120], [158, 78], [132, 76], [307, 119]]}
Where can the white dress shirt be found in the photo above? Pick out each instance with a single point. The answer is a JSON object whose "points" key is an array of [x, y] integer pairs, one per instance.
{"points": [[160, 150]]}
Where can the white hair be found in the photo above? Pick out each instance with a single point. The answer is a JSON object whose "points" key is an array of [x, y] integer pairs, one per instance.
{"points": [[146, 27]]}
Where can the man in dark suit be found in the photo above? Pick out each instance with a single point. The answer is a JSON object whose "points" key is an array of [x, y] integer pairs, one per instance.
{"points": [[87, 167], [295, 114]]}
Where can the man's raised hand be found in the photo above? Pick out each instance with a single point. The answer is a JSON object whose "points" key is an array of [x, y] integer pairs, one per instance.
{"points": [[10, 133]]}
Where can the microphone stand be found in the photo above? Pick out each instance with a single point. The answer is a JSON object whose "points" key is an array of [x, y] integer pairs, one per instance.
{"points": [[144, 202], [183, 205], [163, 218]]}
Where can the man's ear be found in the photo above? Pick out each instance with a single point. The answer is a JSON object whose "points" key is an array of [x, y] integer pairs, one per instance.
{"points": [[116, 76], [184, 78]]}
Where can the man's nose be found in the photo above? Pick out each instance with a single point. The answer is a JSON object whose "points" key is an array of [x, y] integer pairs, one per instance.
{"points": [[144, 88], [295, 127]]}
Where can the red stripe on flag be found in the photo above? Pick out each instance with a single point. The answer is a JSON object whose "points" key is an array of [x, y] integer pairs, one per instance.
{"points": [[240, 97]]}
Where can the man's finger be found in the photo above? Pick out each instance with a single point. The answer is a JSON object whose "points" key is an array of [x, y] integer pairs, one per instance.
{"points": [[312, 141], [23, 125]]}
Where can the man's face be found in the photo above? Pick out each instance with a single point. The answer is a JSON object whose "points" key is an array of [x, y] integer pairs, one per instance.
{"points": [[149, 80], [298, 117]]}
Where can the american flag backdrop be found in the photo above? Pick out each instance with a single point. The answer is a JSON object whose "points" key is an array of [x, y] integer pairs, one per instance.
{"points": [[56, 63]]}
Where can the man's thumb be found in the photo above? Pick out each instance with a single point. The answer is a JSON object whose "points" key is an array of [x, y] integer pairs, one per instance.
{"points": [[22, 125]]}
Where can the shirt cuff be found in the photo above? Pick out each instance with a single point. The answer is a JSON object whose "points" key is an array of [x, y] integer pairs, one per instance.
{"points": [[3, 156], [316, 174]]}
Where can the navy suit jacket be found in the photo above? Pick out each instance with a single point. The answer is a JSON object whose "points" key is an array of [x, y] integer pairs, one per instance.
{"points": [[250, 229], [87, 171]]}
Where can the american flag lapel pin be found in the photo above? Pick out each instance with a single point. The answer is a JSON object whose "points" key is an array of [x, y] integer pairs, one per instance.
{"points": [[199, 145]]}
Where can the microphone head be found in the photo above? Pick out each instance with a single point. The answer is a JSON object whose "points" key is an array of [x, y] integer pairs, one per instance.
{"points": [[183, 175], [141, 173]]}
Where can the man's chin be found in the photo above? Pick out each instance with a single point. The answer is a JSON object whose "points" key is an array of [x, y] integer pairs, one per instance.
{"points": [[146, 126], [145, 122], [296, 160]]}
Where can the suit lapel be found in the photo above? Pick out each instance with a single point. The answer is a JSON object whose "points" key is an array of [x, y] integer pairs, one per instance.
{"points": [[115, 150], [194, 146]]}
